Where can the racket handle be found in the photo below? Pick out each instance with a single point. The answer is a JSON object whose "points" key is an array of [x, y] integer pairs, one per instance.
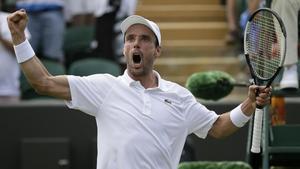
{"points": [[257, 131]]}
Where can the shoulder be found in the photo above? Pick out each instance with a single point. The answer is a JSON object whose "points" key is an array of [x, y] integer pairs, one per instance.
{"points": [[177, 89], [93, 79], [101, 76]]}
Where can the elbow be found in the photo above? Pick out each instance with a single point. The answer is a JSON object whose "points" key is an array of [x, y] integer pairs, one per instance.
{"points": [[41, 87], [220, 131], [218, 134], [223, 127], [40, 90]]}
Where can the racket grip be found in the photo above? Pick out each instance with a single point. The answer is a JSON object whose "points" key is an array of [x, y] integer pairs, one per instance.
{"points": [[257, 131]]}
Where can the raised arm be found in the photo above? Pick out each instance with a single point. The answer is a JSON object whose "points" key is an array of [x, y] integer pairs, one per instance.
{"points": [[230, 122], [37, 75]]}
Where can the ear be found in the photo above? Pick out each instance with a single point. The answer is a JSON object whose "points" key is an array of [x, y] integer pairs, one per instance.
{"points": [[157, 52], [123, 51]]}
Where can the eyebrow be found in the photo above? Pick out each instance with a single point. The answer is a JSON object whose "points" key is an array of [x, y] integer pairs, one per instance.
{"points": [[147, 35], [141, 36]]}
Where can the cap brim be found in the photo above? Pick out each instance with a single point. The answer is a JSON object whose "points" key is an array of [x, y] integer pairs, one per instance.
{"points": [[134, 19]]}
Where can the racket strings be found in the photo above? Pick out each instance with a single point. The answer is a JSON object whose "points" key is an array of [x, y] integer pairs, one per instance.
{"points": [[263, 43]]}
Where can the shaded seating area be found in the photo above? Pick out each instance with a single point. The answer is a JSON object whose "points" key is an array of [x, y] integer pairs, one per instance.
{"points": [[78, 42], [88, 66]]}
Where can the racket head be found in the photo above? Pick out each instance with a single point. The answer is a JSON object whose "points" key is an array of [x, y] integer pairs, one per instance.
{"points": [[265, 44]]}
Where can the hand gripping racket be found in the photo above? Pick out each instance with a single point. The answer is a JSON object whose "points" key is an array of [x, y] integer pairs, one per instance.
{"points": [[265, 48]]}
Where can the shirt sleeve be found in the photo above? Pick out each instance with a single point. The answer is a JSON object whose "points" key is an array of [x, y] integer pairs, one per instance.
{"points": [[199, 119], [88, 93]]}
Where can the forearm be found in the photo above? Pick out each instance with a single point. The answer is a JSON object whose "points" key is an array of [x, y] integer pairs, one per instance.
{"points": [[231, 121], [43, 82], [223, 127], [35, 73], [31, 66], [248, 107]]}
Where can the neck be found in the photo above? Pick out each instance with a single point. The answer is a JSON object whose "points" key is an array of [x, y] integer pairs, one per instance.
{"points": [[149, 81]]}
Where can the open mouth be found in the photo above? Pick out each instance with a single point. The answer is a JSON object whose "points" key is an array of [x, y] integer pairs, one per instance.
{"points": [[136, 58]]}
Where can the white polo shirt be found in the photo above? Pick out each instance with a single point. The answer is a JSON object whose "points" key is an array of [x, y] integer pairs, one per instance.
{"points": [[139, 128]]}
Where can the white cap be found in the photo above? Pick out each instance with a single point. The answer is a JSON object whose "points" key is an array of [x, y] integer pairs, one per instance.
{"points": [[136, 19]]}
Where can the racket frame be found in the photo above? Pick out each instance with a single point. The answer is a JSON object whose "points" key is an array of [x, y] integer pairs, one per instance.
{"points": [[258, 80]]}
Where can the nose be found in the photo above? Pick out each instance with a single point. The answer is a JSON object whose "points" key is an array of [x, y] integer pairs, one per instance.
{"points": [[136, 43]]}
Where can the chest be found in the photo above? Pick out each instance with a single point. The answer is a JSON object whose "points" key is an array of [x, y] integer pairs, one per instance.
{"points": [[151, 111]]}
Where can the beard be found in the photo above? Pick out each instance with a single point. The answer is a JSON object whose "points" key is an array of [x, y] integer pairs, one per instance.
{"points": [[141, 69], [138, 64]]}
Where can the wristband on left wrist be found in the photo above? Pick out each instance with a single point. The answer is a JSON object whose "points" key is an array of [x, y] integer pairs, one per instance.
{"points": [[24, 51]]}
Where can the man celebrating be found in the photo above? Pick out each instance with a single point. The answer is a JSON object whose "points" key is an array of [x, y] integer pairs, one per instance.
{"points": [[142, 120]]}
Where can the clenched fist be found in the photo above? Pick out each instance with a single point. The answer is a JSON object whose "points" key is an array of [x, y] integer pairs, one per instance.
{"points": [[17, 23]]}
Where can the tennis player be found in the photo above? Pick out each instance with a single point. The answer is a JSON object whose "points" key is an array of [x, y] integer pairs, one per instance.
{"points": [[142, 119]]}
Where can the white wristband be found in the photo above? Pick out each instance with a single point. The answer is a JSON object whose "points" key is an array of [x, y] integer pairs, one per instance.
{"points": [[238, 118], [23, 51]]}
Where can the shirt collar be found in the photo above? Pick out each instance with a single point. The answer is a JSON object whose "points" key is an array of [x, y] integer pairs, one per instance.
{"points": [[129, 81]]}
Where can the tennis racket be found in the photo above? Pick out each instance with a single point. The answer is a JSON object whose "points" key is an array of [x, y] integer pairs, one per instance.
{"points": [[265, 48]]}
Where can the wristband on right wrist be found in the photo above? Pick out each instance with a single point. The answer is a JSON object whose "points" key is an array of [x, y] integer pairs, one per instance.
{"points": [[23, 51], [238, 118]]}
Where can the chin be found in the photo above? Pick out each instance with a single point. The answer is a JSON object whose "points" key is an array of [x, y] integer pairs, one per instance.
{"points": [[136, 72], [139, 71]]}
